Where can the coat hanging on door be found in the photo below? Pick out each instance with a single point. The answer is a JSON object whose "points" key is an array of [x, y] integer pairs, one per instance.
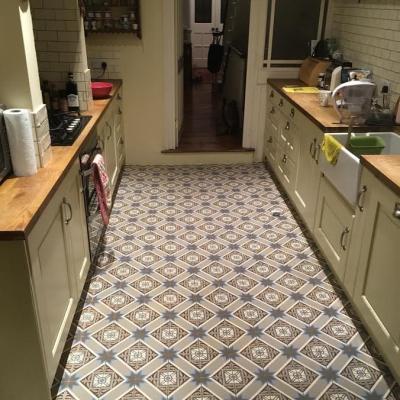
{"points": [[215, 53]]}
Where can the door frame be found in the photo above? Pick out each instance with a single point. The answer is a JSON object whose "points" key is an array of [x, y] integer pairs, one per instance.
{"points": [[170, 76], [257, 28]]}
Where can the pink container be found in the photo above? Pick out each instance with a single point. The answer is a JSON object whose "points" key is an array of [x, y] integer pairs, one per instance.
{"points": [[101, 90]]}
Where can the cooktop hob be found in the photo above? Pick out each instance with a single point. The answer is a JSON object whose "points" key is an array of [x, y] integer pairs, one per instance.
{"points": [[66, 127]]}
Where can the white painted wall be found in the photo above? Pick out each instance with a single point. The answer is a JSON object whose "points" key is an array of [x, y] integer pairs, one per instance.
{"points": [[19, 77]]}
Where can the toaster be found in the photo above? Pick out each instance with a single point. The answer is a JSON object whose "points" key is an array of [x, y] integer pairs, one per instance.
{"points": [[331, 79]]}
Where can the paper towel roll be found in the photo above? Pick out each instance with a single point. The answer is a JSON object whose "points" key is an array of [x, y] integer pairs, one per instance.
{"points": [[20, 139]]}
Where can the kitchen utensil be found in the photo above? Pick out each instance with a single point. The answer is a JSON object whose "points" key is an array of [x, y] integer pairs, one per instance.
{"points": [[310, 70], [101, 90]]}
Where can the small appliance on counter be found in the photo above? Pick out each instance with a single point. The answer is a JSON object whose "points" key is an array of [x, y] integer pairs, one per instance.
{"points": [[333, 74], [359, 74], [5, 158], [66, 127]]}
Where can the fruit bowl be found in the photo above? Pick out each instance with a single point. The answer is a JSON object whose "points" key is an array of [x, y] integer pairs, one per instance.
{"points": [[101, 90]]}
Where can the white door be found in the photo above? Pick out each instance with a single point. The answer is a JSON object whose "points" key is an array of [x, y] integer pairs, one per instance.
{"points": [[206, 18]]}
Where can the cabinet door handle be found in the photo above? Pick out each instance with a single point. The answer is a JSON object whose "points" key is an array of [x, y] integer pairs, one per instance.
{"points": [[119, 97], [344, 234], [312, 149], [271, 95], [270, 139], [292, 112], [272, 110], [360, 197], [287, 127], [317, 152], [68, 220], [119, 110], [284, 159], [110, 128], [281, 103], [396, 211]]}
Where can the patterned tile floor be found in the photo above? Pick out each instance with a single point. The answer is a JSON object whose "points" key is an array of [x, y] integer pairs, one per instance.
{"points": [[208, 289]]}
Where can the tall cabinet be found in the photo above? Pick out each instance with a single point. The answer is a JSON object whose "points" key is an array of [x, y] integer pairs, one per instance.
{"points": [[60, 260], [377, 249]]}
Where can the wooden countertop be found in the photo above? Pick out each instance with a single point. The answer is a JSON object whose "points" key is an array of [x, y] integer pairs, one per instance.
{"points": [[386, 168], [22, 199], [325, 118]]}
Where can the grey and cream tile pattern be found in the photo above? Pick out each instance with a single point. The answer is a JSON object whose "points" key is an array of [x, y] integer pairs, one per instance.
{"points": [[208, 289]]}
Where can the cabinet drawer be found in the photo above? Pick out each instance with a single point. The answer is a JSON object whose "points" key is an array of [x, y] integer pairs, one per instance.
{"points": [[272, 96], [273, 113]]}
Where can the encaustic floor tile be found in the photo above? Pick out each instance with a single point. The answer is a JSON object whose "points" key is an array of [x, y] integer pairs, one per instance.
{"points": [[208, 288]]}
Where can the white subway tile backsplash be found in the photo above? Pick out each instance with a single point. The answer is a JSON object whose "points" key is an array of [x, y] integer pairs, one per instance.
{"points": [[60, 43], [369, 35]]}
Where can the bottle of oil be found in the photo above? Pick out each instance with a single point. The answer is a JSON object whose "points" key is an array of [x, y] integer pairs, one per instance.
{"points": [[72, 93]]}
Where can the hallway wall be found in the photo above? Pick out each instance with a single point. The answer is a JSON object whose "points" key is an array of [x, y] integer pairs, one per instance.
{"points": [[139, 63]]}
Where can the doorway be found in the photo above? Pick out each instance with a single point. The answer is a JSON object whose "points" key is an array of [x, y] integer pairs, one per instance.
{"points": [[214, 63]]}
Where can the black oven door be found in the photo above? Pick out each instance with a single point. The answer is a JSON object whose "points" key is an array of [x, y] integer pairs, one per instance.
{"points": [[93, 217], [5, 159]]}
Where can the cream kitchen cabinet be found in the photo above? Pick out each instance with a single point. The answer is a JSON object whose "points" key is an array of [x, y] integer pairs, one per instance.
{"points": [[307, 180], [105, 132], [119, 131], [292, 150], [77, 230], [377, 266], [333, 225], [272, 134], [59, 259], [281, 147], [110, 134]]}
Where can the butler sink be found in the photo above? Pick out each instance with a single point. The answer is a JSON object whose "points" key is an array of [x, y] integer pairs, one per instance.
{"points": [[345, 175]]}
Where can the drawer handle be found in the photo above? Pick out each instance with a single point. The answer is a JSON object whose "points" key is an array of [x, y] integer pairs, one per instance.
{"points": [[68, 220], [284, 159], [344, 234], [287, 127], [271, 95], [396, 212], [312, 149], [360, 197], [272, 110], [292, 112], [270, 139], [281, 103]]}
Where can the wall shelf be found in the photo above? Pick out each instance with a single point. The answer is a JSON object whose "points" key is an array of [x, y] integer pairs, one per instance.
{"points": [[113, 16]]}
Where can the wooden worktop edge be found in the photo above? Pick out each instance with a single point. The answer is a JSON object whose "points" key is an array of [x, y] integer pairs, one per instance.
{"points": [[23, 232], [386, 168]]}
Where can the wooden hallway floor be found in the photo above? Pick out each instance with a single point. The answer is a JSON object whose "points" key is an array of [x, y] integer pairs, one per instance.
{"points": [[203, 126]]}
